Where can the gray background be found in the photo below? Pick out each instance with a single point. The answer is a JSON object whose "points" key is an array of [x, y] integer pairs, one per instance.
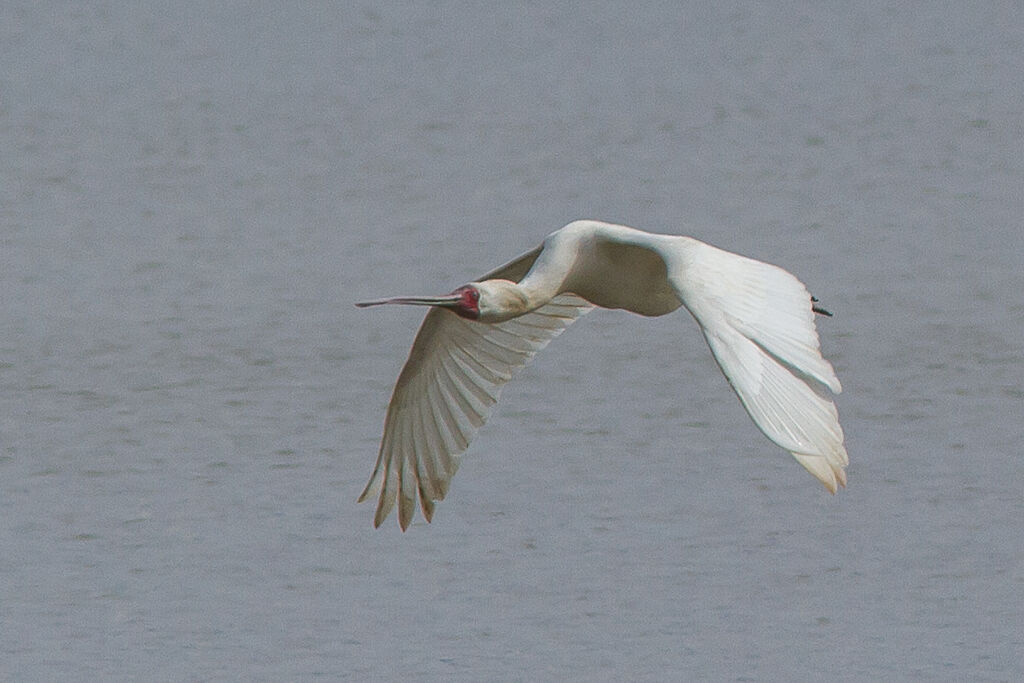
{"points": [[193, 194]]}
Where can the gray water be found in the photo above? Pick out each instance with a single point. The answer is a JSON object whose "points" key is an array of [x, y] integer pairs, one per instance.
{"points": [[193, 194]]}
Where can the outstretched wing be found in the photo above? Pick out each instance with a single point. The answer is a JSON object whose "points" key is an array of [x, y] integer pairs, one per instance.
{"points": [[445, 392], [758, 321]]}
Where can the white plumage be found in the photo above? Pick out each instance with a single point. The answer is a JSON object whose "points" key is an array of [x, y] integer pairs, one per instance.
{"points": [[757, 318]]}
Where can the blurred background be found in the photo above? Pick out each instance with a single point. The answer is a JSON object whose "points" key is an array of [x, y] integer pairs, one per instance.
{"points": [[193, 194]]}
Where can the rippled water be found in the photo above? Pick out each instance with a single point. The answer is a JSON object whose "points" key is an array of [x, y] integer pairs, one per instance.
{"points": [[192, 195]]}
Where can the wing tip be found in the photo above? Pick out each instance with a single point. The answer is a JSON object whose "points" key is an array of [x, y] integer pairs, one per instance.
{"points": [[365, 495], [427, 507], [383, 510], [832, 475], [405, 512], [406, 506]]}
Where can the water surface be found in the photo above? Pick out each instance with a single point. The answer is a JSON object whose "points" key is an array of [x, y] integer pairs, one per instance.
{"points": [[192, 196]]}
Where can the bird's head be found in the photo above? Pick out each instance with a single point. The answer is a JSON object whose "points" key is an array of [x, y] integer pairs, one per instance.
{"points": [[464, 301], [487, 301]]}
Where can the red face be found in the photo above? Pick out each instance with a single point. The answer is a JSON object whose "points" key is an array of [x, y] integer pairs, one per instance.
{"points": [[469, 304]]}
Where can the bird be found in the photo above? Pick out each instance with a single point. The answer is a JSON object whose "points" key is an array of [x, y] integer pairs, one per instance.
{"points": [[758, 320]]}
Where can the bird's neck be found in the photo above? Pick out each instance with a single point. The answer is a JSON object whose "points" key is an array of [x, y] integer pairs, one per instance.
{"points": [[503, 300]]}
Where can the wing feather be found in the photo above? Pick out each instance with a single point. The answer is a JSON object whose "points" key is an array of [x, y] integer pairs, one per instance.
{"points": [[407, 485], [426, 470], [445, 392], [758, 321]]}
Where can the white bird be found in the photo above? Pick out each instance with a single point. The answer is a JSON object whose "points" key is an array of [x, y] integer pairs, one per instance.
{"points": [[757, 318]]}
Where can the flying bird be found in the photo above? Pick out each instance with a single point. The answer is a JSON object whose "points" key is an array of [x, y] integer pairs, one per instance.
{"points": [[757, 318]]}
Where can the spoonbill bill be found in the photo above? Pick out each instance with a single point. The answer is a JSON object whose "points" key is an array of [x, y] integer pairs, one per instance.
{"points": [[757, 318]]}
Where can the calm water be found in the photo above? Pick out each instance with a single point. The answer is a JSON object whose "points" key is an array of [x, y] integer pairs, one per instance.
{"points": [[192, 195]]}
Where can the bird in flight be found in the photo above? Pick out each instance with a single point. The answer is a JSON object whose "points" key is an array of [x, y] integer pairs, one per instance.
{"points": [[757, 318]]}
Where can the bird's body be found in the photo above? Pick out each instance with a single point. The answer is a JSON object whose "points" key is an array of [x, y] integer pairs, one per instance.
{"points": [[757, 318]]}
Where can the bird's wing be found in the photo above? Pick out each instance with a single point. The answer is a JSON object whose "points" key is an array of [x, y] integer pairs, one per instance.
{"points": [[515, 269], [453, 376], [758, 321]]}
